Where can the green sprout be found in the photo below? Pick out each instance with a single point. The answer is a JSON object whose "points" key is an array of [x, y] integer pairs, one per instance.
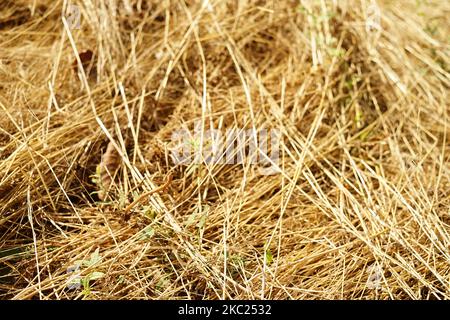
{"points": [[95, 258], [147, 233], [269, 256]]}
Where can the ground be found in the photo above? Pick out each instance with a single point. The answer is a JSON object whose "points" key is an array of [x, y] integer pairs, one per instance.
{"points": [[353, 203]]}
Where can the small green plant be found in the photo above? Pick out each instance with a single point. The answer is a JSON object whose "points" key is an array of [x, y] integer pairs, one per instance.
{"points": [[359, 117], [85, 281], [336, 52], [149, 212], [198, 217], [236, 260], [198, 220], [96, 180], [163, 283], [147, 233], [431, 28], [269, 256], [364, 134]]}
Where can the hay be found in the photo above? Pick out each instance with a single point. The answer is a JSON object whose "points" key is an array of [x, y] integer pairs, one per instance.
{"points": [[358, 208]]}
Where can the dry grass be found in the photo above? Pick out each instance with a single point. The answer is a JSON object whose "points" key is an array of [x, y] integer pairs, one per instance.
{"points": [[359, 209]]}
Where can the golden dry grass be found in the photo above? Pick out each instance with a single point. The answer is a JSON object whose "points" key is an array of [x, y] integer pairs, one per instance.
{"points": [[359, 209]]}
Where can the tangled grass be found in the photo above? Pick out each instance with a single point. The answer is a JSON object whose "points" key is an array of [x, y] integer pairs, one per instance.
{"points": [[359, 205]]}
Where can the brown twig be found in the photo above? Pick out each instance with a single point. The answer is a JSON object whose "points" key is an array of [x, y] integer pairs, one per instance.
{"points": [[144, 195]]}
